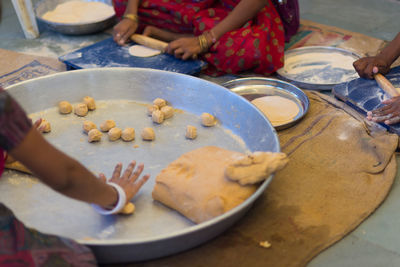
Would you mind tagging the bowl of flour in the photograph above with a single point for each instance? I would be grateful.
(75, 17)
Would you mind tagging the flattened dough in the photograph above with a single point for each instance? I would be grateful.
(143, 51)
(195, 184)
(279, 110)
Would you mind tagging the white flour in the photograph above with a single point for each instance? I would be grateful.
(79, 12)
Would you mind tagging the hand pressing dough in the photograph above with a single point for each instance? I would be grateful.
(81, 109)
(64, 107)
(279, 110)
(256, 167)
(151, 109)
(159, 102)
(88, 125)
(195, 184)
(89, 101)
(94, 135)
(208, 120)
(129, 208)
(168, 111)
(191, 132)
(128, 134)
(107, 125)
(148, 134)
(157, 116)
(45, 126)
(114, 134)
(143, 51)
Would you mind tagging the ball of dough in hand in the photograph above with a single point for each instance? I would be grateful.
(45, 126)
(107, 125)
(128, 134)
(159, 102)
(168, 111)
(157, 116)
(191, 132)
(81, 109)
(89, 101)
(94, 135)
(208, 120)
(148, 134)
(88, 125)
(151, 109)
(64, 107)
(114, 134)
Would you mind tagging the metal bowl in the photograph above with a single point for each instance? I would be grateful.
(255, 87)
(154, 230)
(44, 6)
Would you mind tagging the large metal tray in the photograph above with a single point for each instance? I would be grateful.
(318, 67)
(154, 230)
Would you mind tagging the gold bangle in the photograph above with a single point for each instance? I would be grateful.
(132, 17)
(203, 43)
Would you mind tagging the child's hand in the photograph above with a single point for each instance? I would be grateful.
(123, 30)
(389, 114)
(367, 67)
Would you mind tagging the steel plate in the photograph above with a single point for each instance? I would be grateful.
(318, 67)
(121, 93)
(72, 28)
(255, 87)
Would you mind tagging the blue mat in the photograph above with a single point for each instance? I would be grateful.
(108, 54)
(365, 95)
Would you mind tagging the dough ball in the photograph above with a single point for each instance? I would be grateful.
(88, 125)
(107, 125)
(157, 116)
(148, 134)
(191, 132)
(94, 135)
(45, 126)
(129, 208)
(81, 109)
(128, 134)
(89, 101)
(64, 107)
(114, 134)
(159, 102)
(208, 120)
(151, 109)
(168, 111)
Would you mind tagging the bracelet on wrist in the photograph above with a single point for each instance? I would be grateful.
(120, 203)
(132, 17)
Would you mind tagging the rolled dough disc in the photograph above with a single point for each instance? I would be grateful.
(143, 51)
(279, 110)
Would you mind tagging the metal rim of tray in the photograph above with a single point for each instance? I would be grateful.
(313, 86)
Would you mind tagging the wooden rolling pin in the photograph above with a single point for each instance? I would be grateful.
(386, 85)
(149, 42)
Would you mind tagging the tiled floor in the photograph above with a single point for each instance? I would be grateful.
(376, 242)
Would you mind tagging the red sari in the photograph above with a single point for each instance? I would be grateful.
(257, 46)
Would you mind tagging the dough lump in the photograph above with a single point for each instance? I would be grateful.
(128, 134)
(89, 101)
(157, 116)
(256, 167)
(107, 125)
(45, 126)
(195, 184)
(129, 208)
(64, 107)
(114, 134)
(148, 134)
(279, 110)
(88, 125)
(151, 109)
(208, 120)
(159, 102)
(94, 135)
(168, 111)
(191, 132)
(81, 109)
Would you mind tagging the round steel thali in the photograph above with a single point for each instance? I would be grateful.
(122, 94)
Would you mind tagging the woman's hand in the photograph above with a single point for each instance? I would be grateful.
(367, 67)
(185, 48)
(123, 30)
(129, 180)
(389, 114)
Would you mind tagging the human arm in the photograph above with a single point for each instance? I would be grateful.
(367, 67)
(128, 25)
(244, 11)
(388, 114)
